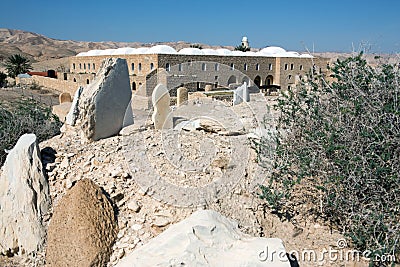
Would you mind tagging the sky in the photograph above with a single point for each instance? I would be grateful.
(320, 25)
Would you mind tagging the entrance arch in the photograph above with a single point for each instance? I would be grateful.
(232, 79)
(257, 80)
(269, 80)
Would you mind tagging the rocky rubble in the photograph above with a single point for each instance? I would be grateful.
(142, 216)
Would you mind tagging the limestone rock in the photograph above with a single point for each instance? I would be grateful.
(208, 88)
(241, 94)
(161, 101)
(24, 198)
(207, 238)
(105, 102)
(182, 96)
(61, 110)
(83, 228)
(73, 113)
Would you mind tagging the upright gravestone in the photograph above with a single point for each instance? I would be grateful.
(64, 97)
(241, 94)
(208, 88)
(161, 101)
(182, 96)
(24, 199)
(104, 103)
(73, 113)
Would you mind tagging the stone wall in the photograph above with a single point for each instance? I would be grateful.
(56, 84)
(283, 72)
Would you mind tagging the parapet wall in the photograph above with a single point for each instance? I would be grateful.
(56, 84)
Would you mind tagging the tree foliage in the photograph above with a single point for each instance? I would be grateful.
(242, 48)
(17, 64)
(337, 152)
(196, 46)
(25, 116)
(3, 78)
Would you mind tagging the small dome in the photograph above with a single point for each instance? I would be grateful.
(272, 50)
(209, 51)
(244, 39)
(224, 52)
(191, 51)
(161, 49)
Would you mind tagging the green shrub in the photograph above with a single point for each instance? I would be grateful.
(25, 116)
(337, 153)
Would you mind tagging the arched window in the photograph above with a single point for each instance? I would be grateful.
(80, 66)
(232, 66)
(74, 80)
(88, 66)
(289, 77)
(84, 66)
(216, 67)
(292, 66)
(133, 66)
(245, 66)
(133, 86)
(257, 66)
(87, 81)
(73, 65)
(140, 67)
(180, 67)
(301, 67)
(94, 66)
(151, 66)
(270, 66)
(204, 67)
(167, 67)
(286, 66)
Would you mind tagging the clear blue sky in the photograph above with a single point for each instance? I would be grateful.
(293, 25)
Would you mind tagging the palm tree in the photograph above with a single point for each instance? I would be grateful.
(17, 64)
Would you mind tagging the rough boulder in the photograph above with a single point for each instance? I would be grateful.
(83, 228)
(207, 238)
(24, 199)
(104, 105)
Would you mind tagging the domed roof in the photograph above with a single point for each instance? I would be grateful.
(208, 51)
(224, 52)
(191, 51)
(272, 50)
(161, 49)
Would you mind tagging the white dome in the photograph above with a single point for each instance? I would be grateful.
(161, 49)
(208, 51)
(272, 50)
(191, 51)
(224, 52)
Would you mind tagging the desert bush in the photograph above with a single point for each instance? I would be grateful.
(25, 116)
(35, 86)
(336, 152)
